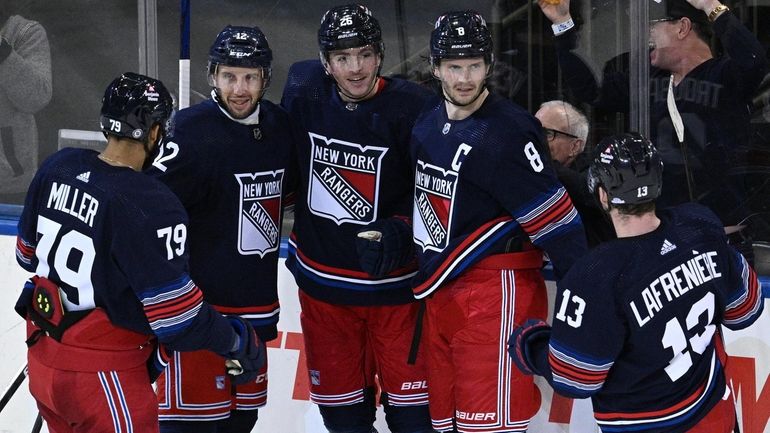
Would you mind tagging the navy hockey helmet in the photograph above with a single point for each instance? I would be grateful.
(628, 167)
(349, 26)
(243, 47)
(133, 104)
(458, 35)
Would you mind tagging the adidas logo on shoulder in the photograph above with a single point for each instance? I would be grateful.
(667, 247)
(83, 177)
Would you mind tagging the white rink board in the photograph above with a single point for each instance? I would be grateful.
(288, 410)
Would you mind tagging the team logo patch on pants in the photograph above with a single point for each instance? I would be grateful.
(344, 181)
(260, 212)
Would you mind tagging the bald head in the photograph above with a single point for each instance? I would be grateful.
(566, 130)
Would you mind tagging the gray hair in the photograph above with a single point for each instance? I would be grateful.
(577, 122)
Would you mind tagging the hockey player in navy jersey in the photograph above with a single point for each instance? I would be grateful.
(227, 160)
(108, 246)
(637, 321)
(486, 202)
(358, 314)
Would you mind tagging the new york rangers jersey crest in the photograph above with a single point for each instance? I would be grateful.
(259, 225)
(433, 197)
(344, 181)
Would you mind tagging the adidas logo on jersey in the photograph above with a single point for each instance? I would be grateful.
(667, 247)
(83, 177)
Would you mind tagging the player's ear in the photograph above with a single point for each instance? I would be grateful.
(604, 199)
(434, 70)
(154, 136)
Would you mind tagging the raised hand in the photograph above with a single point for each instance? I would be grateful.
(556, 10)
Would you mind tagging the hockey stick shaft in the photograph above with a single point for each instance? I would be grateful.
(20, 376)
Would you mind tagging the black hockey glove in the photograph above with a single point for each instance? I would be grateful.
(384, 246)
(157, 362)
(519, 342)
(250, 354)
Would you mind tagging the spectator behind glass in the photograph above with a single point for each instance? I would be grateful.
(710, 94)
(25, 88)
(566, 130)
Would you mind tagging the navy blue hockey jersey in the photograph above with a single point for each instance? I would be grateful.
(354, 168)
(480, 182)
(636, 323)
(115, 239)
(232, 178)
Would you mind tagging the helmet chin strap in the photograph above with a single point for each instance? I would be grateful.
(218, 99)
(353, 98)
(457, 104)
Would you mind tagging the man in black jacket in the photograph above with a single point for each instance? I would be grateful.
(699, 102)
(566, 130)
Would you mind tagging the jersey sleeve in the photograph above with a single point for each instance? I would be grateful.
(741, 292)
(151, 250)
(588, 333)
(304, 80)
(743, 297)
(26, 240)
(180, 166)
(520, 176)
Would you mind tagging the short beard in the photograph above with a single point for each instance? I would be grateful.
(452, 101)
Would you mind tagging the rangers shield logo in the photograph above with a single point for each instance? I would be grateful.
(259, 219)
(344, 181)
(433, 198)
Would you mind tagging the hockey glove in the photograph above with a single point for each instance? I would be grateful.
(157, 362)
(518, 343)
(251, 352)
(384, 246)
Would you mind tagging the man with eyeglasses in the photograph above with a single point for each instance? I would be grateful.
(699, 102)
(566, 130)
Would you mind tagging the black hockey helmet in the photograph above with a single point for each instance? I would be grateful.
(349, 26)
(133, 104)
(458, 35)
(243, 47)
(628, 167)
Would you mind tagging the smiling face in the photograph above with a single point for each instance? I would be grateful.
(355, 71)
(240, 89)
(462, 80)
